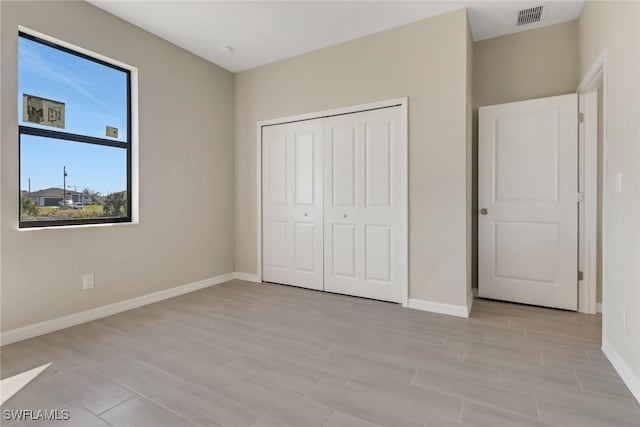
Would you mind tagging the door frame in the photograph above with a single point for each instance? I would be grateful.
(403, 103)
(594, 79)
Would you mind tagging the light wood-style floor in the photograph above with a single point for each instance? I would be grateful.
(243, 354)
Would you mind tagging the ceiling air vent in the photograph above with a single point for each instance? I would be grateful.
(529, 16)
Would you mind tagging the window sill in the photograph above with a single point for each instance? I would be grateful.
(67, 227)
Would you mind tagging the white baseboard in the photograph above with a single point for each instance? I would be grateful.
(440, 308)
(626, 373)
(598, 307)
(247, 277)
(52, 325)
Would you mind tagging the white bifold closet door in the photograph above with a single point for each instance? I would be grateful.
(363, 172)
(332, 194)
(292, 217)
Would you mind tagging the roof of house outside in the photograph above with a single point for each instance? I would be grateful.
(54, 192)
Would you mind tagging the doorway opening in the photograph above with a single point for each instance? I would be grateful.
(582, 257)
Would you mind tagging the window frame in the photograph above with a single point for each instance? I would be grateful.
(81, 139)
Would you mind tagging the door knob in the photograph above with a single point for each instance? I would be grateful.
(484, 211)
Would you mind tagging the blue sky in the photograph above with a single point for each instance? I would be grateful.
(94, 97)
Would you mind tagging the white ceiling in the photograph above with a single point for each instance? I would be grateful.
(266, 31)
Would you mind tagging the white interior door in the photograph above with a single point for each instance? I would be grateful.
(362, 187)
(527, 191)
(292, 214)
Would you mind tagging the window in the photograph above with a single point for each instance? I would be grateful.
(75, 136)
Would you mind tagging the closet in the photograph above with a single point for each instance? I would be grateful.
(333, 197)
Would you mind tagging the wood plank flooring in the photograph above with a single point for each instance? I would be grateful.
(262, 355)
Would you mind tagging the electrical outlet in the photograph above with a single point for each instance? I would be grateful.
(88, 281)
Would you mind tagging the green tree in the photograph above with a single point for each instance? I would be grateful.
(115, 204)
(28, 208)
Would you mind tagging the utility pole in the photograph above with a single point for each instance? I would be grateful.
(29, 187)
(64, 185)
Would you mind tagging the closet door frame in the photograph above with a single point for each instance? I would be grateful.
(403, 103)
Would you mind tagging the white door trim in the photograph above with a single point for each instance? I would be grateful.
(588, 210)
(403, 103)
(594, 78)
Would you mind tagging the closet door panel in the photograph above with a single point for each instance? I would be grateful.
(363, 177)
(292, 212)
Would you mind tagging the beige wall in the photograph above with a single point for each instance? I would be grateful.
(531, 64)
(614, 26)
(426, 61)
(527, 65)
(186, 176)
